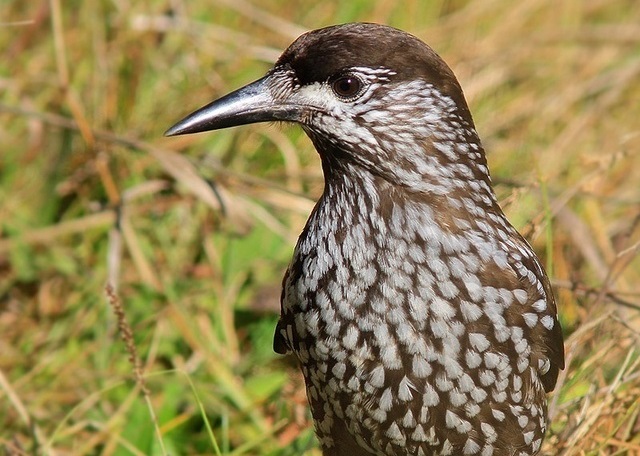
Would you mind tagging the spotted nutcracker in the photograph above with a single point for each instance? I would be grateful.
(424, 324)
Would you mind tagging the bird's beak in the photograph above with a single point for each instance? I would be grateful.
(250, 104)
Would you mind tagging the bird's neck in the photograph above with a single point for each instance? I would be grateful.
(432, 159)
(362, 207)
(424, 182)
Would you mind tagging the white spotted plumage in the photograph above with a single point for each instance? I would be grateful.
(423, 322)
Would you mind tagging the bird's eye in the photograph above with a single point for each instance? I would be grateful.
(347, 87)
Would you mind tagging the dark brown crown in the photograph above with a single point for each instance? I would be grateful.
(319, 54)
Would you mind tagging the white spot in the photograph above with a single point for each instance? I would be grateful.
(417, 254)
(528, 437)
(350, 339)
(544, 365)
(451, 419)
(456, 398)
(517, 333)
(404, 390)
(457, 267)
(388, 348)
(379, 415)
(393, 297)
(547, 322)
(447, 448)
(452, 368)
(420, 367)
(506, 295)
(338, 370)
(386, 400)
(376, 378)
(487, 377)
(523, 420)
(517, 382)
(418, 304)
(502, 384)
(395, 434)
(478, 395)
(408, 336)
(536, 445)
(442, 308)
(516, 397)
(474, 289)
(493, 309)
(409, 421)
(540, 305)
(500, 259)
(521, 346)
(487, 450)
(465, 383)
(312, 320)
(430, 397)
(491, 360)
(472, 409)
(499, 396)
(520, 295)
(439, 268)
(354, 383)
(501, 332)
(439, 328)
(522, 364)
(418, 434)
(443, 383)
(473, 359)
(489, 432)
(479, 341)
(470, 311)
(448, 289)
(471, 447)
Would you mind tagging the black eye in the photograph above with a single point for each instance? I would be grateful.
(347, 87)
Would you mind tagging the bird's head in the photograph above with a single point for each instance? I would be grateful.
(369, 96)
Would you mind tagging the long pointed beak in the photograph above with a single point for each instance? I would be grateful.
(250, 104)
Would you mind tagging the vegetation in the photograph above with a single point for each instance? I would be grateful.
(193, 234)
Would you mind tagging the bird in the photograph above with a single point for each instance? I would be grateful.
(422, 321)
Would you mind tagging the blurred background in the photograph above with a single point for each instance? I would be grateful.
(194, 233)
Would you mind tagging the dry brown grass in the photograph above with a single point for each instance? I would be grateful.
(195, 231)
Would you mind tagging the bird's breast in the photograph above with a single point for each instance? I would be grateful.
(392, 314)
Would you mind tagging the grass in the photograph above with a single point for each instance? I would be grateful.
(194, 233)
